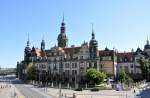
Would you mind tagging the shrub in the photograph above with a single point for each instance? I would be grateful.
(78, 89)
(95, 89)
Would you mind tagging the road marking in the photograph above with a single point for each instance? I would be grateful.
(21, 96)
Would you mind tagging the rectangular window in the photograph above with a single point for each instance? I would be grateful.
(132, 71)
(120, 59)
(126, 68)
(74, 72)
(131, 65)
(67, 72)
(105, 58)
(74, 65)
(67, 65)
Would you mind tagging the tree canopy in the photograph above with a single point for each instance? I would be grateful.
(30, 72)
(95, 76)
(145, 67)
(123, 77)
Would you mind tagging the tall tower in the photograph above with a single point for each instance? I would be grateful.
(27, 51)
(43, 44)
(93, 46)
(147, 42)
(62, 38)
(147, 46)
(147, 49)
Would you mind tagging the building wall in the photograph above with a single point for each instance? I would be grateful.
(126, 66)
(107, 66)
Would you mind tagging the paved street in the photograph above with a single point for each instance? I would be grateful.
(29, 91)
(89, 94)
(7, 90)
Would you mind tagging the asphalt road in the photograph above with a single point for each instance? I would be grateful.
(28, 93)
(27, 90)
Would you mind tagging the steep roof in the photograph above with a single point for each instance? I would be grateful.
(40, 53)
(106, 52)
(72, 50)
(126, 55)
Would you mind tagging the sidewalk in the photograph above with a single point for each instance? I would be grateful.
(89, 94)
(18, 93)
(8, 91)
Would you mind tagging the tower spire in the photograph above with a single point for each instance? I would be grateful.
(147, 42)
(63, 25)
(62, 37)
(43, 44)
(93, 35)
(28, 42)
(63, 21)
(43, 37)
(63, 18)
(93, 46)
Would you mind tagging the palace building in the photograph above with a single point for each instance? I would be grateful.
(69, 64)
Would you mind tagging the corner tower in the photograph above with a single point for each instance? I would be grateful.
(27, 51)
(43, 44)
(62, 38)
(93, 46)
(147, 49)
(147, 46)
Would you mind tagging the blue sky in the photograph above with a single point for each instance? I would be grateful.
(123, 24)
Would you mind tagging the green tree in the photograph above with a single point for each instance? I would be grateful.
(129, 81)
(94, 76)
(30, 72)
(145, 67)
(123, 77)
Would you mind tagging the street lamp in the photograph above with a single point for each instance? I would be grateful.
(76, 84)
(45, 80)
(39, 76)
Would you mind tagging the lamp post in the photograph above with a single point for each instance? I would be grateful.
(39, 76)
(46, 80)
(76, 85)
(52, 78)
(75, 81)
